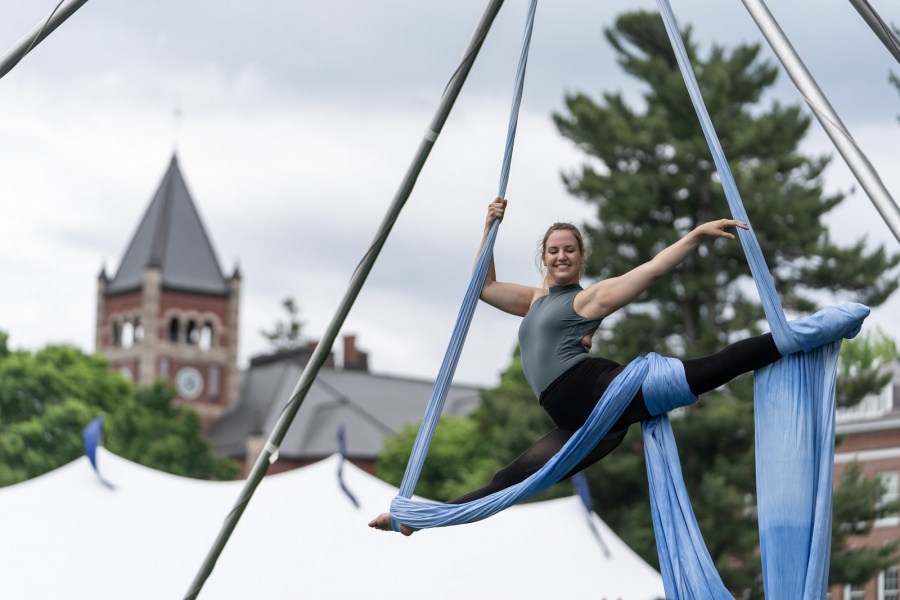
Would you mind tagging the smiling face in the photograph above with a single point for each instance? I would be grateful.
(563, 257)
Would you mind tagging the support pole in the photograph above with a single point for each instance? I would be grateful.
(863, 170)
(879, 26)
(320, 354)
(36, 35)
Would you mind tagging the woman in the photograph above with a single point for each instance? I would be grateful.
(558, 323)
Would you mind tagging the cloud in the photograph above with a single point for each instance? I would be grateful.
(299, 122)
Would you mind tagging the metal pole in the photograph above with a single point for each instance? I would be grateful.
(878, 25)
(320, 354)
(36, 35)
(840, 137)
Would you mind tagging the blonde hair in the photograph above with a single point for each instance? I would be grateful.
(583, 247)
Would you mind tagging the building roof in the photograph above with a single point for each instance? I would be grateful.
(171, 236)
(368, 407)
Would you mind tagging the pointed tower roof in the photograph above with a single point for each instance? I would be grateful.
(171, 237)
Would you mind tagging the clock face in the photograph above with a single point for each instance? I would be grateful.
(189, 383)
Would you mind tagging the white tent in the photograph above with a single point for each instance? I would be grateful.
(66, 536)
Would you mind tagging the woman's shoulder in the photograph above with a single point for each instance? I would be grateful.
(539, 293)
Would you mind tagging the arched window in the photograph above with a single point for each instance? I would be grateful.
(206, 336)
(193, 333)
(138, 331)
(116, 334)
(127, 334)
(174, 327)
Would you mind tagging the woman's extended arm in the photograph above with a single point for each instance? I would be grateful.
(606, 297)
(509, 297)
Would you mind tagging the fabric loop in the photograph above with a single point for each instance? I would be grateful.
(421, 515)
(666, 386)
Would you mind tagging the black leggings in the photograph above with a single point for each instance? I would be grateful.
(570, 399)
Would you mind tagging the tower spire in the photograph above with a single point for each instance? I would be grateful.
(177, 114)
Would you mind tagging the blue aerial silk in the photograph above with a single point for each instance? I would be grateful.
(794, 411)
(473, 292)
(612, 404)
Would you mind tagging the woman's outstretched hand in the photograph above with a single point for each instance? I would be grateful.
(383, 523)
(719, 228)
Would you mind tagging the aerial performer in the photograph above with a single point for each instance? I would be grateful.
(560, 318)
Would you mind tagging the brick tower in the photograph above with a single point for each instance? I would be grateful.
(169, 311)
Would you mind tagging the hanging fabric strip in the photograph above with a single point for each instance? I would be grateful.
(687, 569)
(794, 412)
(467, 310)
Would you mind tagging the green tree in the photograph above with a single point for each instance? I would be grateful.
(154, 431)
(652, 180)
(467, 451)
(457, 459)
(48, 397)
(510, 416)
(286, 335)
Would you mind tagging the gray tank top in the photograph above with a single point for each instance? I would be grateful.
(550, 337)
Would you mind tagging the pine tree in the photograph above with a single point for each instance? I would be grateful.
(652, 180)
(286, 335)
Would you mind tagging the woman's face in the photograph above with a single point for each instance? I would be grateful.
(562, 258)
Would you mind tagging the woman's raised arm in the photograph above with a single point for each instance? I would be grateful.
(606, 297)
(509, 297)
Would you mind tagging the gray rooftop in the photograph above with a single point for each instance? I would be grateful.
(367, 406)
(171, 236)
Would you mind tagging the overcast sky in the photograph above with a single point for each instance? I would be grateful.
(299, 120)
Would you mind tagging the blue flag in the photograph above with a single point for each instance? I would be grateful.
(580, 483)
(342, 448)
(93, 437)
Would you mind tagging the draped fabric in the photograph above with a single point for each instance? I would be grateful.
(794, 413)
(473, 292)
(794, 407)
(420, 515)
(686, 567)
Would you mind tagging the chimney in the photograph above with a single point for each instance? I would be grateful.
(354, 359)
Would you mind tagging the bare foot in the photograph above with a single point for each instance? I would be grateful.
(383, 523)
